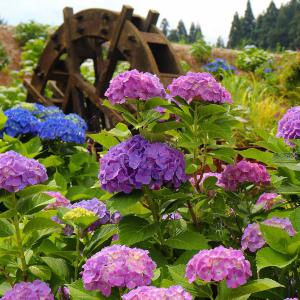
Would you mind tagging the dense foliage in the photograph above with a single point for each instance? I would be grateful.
(276, 28)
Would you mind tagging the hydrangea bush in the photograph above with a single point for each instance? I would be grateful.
(175, 211)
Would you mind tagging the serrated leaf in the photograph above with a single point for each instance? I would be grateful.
(267, 257)
(40, 224)
(58, 266)
(188, 240)
(40, 271)
(78, 292)
(133, 230)
(6, 229)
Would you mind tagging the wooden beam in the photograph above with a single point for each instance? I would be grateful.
(112, 59)
(34, 93)
(150, 20)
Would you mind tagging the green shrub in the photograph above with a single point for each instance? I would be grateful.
(251, 58)
(201, 50)
(32, 30)
(185, 65)
(4, 59)
(31, 53)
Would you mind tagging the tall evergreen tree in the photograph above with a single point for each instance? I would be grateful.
(181, 30)
(248, 24)
(173, 36)
(164, 26)
(220, 43)
(198, 33)
(192, 33)
(235, 34)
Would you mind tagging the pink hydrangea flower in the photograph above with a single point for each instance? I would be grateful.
(36, 290)
(154, 293)
(199, 86)
(60, 200)
(134, 85)
(118, 266)
(18, 172)
(269, 200)
(252, 237)
(219, 264)
(244, 172)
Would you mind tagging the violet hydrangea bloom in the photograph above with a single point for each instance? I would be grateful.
(172, 216)
(137, 162)
(244, 172)
(268, 200)
(118, 266)
(219, 264)
(60, 200)
(18, 172)
(252, 237)
(36, 290)
(199, 86)
(289, 125)
(155, 293)
(134, 85)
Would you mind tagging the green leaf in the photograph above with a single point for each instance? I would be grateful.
(188, 240)
(51, 161)
(6, 229)
(40, 271)
(262, 156)
(267, 257)
(40, 224)
(211, 109)
(133, 230)
(78, 292)
(126, 204)
(3, 119)
(100, 236)
(277, 238)
(154, 102)
(252, 287)
(30, 205)
(166, 126)
(104, 138)
(294, 246)
(295, 219)
(8, 214)
(178, 275)
(60, 180)
(58, 266)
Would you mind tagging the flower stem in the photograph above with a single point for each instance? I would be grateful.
(193, 215)
(77, 254)
(19, 240)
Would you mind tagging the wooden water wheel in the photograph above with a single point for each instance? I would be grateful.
(89, 35)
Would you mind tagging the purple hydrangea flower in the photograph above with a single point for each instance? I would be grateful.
(137, 162)
(199, 86)
(60, 200)
(134, 85)
(268, 200)
(172, 216)
(118, 266)
(291, 299)
(289, 125)
(252, 238)
(36, 290)
(64, 293)
(244, 172)
(17, 172)
(219, 264)
(155, 293)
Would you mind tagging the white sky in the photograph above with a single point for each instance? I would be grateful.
(214, 16)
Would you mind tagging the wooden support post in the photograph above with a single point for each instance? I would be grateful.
(72, 64)
(112, 59)
(151, 19)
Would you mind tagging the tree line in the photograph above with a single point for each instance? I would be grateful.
(276, 28)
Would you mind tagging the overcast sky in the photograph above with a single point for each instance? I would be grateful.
(214, 16)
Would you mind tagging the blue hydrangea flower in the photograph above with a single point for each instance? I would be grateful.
(60, 128)
(19, 121)
(77, 120)
(43, 112)
(218, 64)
